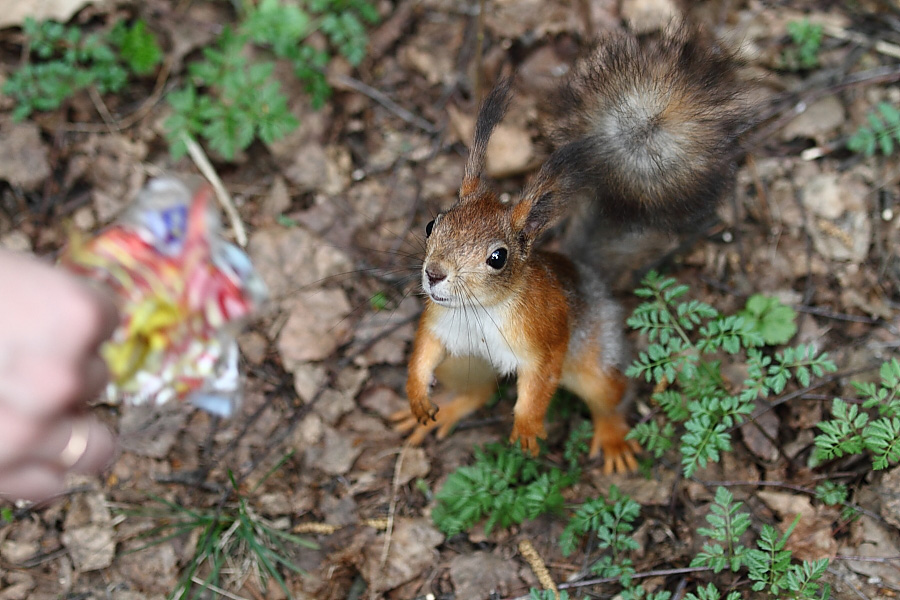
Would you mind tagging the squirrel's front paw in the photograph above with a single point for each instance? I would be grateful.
(527, 436)
(423, 409)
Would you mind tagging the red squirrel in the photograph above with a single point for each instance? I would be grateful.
(646, 132)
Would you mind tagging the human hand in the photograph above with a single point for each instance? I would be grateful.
(51, 326)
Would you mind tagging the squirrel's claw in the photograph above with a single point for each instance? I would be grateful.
(423, 410)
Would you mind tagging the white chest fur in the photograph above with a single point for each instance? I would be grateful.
(477, 331)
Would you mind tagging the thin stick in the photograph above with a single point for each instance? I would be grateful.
(389, 531)
(206, 168)
(880, 46)
(382, 99)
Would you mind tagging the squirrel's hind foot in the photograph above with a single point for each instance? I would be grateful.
(618, 452)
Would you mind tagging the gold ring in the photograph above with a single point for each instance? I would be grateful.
(77, 444)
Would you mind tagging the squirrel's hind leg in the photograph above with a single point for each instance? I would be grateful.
(602, 390)
(469, 381)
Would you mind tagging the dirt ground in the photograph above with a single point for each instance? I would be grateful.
(336, 213)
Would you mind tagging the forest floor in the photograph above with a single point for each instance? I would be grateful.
(336, 213)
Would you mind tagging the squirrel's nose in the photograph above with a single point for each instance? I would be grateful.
(435, 276)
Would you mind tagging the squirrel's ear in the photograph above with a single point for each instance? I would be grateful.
(534, 214)
(491, 113)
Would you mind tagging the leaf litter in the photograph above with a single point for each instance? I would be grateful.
(337, 210)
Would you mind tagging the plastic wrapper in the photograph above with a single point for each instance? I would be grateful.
(184, 293)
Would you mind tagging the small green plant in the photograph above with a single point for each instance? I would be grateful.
(770, 568)
(230, 100)
(504, 485)
(851, 430)
(882, 132)
(769, 564)
(831, 493)
(611, 520)
(687, 339)
(63, 61)
(803, 54)
(711, 592)
(728, 525)
(226, 535)
(774, 321)
(378, 301)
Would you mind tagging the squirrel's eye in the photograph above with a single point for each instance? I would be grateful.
(497, 258)
(429, 227)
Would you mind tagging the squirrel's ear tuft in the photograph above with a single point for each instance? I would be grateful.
(491, 113)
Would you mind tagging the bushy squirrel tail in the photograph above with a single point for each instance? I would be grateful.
(647, 129)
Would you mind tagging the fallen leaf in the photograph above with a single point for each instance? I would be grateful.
(335, 454)
(23, 156)
(315, 327)
(757, 441)
(871, 539)
(383, 400)
(14, 12)
(812, 537)
(415, 464)
(411, 552)
(889, 491)
(819, 121)
(151, 431)
(509, 151)
(289, 259)
(18, 586)
(483, 574)
(91, 547)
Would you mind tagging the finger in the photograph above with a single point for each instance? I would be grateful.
(106, 315)
(41, 386)
(99, 451)
(80, 444)
(32, 481)
(19, 433)
(95, 377)
(88, 316)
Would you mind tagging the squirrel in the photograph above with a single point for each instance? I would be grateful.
(646, 133)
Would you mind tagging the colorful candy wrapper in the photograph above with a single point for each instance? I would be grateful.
(184, 292)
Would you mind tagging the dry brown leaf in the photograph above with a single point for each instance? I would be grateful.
(757, 441)
(482, 575)
(14, 12)
(510, 150)
(289, 259)
(334, 454)
(411, 552)
(872, 539)
(889, 490)
(812, 537)
(316, 326)
(91, 547)
(23, 156)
